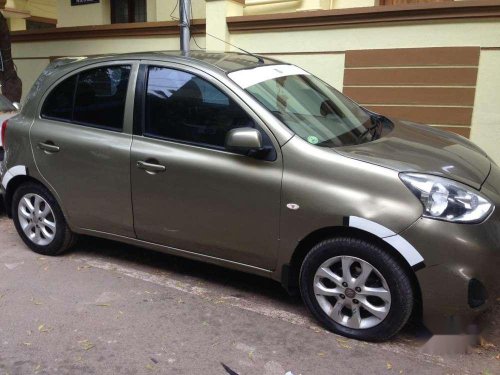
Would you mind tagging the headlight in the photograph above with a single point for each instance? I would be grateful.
(447, 200)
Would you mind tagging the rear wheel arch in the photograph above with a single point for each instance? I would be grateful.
(16, 182)
(290, 279)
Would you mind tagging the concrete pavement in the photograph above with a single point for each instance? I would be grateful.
(109, 308)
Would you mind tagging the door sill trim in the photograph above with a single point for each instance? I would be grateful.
(179, 252)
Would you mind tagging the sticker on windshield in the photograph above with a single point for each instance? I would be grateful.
(312, 139)
(249, 77)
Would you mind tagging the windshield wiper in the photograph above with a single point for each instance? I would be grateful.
(376, 127)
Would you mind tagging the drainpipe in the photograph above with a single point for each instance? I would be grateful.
(185, 17)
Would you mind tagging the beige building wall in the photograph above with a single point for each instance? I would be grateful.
(43, 8)
(486, 115)
(254, 7)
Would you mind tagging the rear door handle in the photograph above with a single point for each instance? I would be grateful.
(48, 146)
(152, 166)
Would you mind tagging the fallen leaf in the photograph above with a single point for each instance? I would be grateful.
(38, 367)
(103, 304)
(498, 356)
(321, 354)
(86, 344)
(389, 366)
(250, 355)
(345, 346)
(150, 367)
(41, 328)
(27, 343)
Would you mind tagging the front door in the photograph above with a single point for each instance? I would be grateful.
(82, 150)
(188, 192)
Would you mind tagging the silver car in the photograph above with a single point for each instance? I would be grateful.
(257, 165)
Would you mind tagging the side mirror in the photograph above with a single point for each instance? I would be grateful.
(244, 141)
(17, 105)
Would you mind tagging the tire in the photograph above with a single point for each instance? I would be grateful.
(54, 235)
(374, 310)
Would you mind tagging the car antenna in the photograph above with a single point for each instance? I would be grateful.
(185, 13)
(260, 59)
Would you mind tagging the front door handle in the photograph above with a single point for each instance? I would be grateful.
(48, 147)
(152, 166)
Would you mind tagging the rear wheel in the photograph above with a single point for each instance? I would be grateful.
(356, 289)
(39, 220)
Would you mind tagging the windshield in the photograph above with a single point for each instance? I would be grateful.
(316, 111)
(6, 105)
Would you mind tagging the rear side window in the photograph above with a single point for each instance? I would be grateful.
(94, 97)
(59, 103)
(184, 107)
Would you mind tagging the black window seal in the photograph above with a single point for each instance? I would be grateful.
(140, 100)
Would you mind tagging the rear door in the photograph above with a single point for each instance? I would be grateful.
(192, 194)
(81, 142)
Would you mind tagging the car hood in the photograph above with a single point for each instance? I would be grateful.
(412, 147)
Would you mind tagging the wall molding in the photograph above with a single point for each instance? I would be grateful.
(352, 16)
(138, 29)
(51, 21)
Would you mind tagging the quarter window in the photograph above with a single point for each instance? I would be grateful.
(94, 97)
(185, 107)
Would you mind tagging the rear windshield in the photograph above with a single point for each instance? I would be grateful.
(6, 105)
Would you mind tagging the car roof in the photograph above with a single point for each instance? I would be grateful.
(222, 61)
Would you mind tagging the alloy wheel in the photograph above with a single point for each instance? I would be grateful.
(37, 219)
(352, 292)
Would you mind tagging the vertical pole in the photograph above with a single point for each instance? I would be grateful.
(185, 17)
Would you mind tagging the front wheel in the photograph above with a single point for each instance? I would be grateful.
(356, 289)
(39, 220)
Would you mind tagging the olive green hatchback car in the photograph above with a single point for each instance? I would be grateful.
(257, 165)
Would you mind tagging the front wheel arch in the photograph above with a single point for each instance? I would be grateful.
(290, 278)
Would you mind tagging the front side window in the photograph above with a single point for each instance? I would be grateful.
(184, 107)
(94, 97)
(313, 110)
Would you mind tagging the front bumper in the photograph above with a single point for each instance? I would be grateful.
(461, 276)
